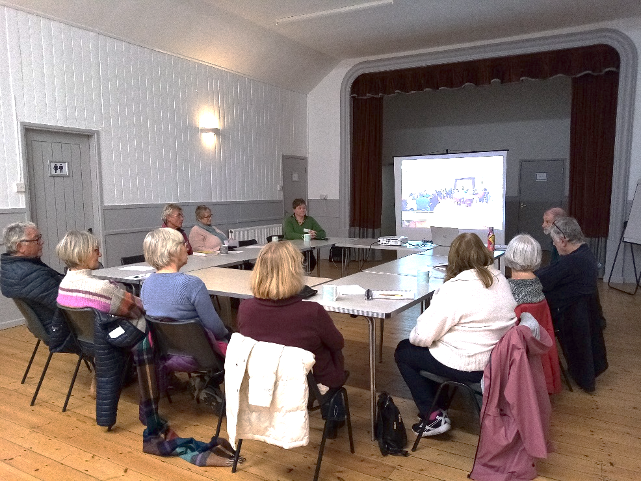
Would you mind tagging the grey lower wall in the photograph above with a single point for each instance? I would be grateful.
(326, 212)
(125, 227)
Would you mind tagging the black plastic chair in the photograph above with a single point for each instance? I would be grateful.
(138, 258)
(81, 324)
(330, 399)
(473, 389)
(269, 238)
(34, 325)
(187, 338)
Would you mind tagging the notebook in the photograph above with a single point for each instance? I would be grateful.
(443, 236)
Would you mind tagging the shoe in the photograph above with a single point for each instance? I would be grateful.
(212, 397)
(196, 385)
(440, 424)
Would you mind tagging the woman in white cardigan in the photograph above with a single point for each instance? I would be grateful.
(454, 337)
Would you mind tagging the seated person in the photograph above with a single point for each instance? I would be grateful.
(523, 256)
(23, 275)
(204, 236)
(277, 314)
(570, 287)
(454, 337)
(298, 224)
(80, 251)
(180, 296)
(173, 218)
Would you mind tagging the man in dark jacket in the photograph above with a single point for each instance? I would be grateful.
(23, 275)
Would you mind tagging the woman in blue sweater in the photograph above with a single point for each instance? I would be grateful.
(180, 296)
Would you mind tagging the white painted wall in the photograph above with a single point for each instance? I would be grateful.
(145, 106)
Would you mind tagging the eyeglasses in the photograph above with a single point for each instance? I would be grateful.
(209, 216)
(38, 239)
(560, 230)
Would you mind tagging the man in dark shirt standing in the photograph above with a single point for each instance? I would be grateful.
(23, 275)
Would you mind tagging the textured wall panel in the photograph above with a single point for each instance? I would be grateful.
(146, 107)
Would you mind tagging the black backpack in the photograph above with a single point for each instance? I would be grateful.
(389, 429)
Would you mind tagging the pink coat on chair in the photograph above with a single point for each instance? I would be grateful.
(550, 359)
(516, 412)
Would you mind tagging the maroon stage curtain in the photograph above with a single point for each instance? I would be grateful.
(585, 63)
(593, 114)
(365, 169)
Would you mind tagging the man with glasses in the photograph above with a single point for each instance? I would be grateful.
(23, 275)
(548, 219)
(173, 217)
(570, 287)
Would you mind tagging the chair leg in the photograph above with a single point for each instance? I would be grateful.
(33, 355)
(42, 377)
(322, 446)
(71, 385)
(348, 421)
(220, 419)
(563, 370)
(424, 422)
(87, 364)
(236, 455)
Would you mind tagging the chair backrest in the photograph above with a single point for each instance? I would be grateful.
(81, 323)
(269, 238)
(185, 338)
(139, 258)
(247, 242)
(34, 325)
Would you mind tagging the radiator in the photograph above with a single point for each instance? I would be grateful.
(260, 233)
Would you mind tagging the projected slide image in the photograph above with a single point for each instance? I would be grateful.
(461, 192)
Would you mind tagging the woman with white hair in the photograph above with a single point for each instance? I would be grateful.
(80, 251)
(204, 236)
(168, 293)
(523, 256)
(173, 218)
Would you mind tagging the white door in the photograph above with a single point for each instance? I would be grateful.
(295, 181)
(60, 186)
(541, 186)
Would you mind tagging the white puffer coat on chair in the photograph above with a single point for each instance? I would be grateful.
(273, 378)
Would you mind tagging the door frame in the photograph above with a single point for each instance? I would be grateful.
(94, 165)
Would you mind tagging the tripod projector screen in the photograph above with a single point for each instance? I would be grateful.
(464, 190)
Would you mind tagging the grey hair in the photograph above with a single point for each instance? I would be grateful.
(14, 233)
(167, 210)
(200, 211)
(76, 247)
(556, 212)
(569, 229)
(523, 253)
(161, 245)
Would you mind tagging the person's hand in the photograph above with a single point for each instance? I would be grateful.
(312, 233)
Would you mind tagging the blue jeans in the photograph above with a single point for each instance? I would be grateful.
(411, 359)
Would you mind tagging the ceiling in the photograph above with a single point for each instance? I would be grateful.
(313, 36)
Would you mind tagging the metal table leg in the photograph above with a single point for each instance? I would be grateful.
(373, 388)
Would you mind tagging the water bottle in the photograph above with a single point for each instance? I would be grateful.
(491, 239)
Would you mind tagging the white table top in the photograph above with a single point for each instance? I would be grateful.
(129, 273)
(365, 243)
(236, 282)
(358, 305)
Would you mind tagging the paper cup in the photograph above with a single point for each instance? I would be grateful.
(307, 240)
(223, 249)
(330, 293)
(423, 277)
(275, 239)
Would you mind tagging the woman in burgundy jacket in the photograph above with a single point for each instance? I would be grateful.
(278, 314)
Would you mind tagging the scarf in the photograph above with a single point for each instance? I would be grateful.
(212, 230)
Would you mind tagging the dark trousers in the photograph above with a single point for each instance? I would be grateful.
(411, 359)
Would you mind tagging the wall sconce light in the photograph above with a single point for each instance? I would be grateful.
(209, 130)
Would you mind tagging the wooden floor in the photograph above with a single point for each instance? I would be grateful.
(597, 436)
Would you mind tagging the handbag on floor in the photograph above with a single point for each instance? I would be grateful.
(389, 429)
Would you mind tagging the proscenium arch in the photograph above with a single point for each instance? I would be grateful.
(624, 119)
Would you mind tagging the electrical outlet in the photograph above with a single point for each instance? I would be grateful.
(323, 196)
(20, 187)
